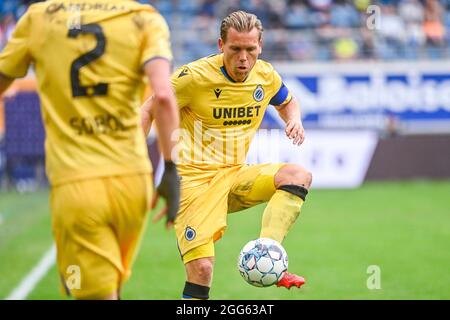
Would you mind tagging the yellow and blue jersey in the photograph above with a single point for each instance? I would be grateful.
(219, 116)
(88, 57)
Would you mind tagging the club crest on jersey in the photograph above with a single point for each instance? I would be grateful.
(258, 94)
(189, 233)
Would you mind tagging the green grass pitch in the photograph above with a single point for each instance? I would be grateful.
(401, 227)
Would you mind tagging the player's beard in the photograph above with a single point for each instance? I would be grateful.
(241, 74)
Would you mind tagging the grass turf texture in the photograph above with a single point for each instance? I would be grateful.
(401, 227)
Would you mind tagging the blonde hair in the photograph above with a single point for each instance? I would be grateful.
(241, 21)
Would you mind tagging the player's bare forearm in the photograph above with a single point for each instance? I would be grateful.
(146, 115)
(167, 122)
(5, 82)
(163, 109)
(164, 106)
(290, 113)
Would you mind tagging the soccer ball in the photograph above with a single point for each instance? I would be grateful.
(262, 262)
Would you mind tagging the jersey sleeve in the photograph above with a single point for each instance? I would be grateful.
(282, 94)
(15, 57)
(182, 81)
(156, 39)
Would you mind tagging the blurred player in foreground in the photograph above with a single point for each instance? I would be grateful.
(90, 58)
(222, 100)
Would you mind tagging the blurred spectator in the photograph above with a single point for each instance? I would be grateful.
(297, 16)
(300, 29)
(344, 15)
(208, 8)
(412, 13)
(7, 26)
(320, 14)
(345, 49)
(8, 6)
(321, 4)
(276, 12)
(227, 7)
(367, 46)
(447, 24)
(278, 49)
(258, 7)
(361, 5)
(392, 32)
(433, 26)
(300, 47)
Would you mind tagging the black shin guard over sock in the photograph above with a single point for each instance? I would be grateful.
(195, 291)
(295, 189)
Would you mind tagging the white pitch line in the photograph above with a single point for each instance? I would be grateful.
(32, 279)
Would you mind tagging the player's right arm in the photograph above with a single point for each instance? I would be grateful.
(147, 115)
(165, 114)
(156, 59)
(164, 106)
(15, 57)
(181, 84)
(289, 110)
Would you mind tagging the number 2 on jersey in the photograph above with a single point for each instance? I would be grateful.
(78, 90)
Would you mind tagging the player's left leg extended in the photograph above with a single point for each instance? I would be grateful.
(292, 183)
(285, 188)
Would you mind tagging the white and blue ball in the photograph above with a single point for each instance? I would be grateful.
(262, 262)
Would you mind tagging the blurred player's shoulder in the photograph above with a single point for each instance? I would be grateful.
(146, 11)
(38, 6)
(34, 10)
(203, 69)
(212, 61)
(264, 68)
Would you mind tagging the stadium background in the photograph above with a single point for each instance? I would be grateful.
(374, 85)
